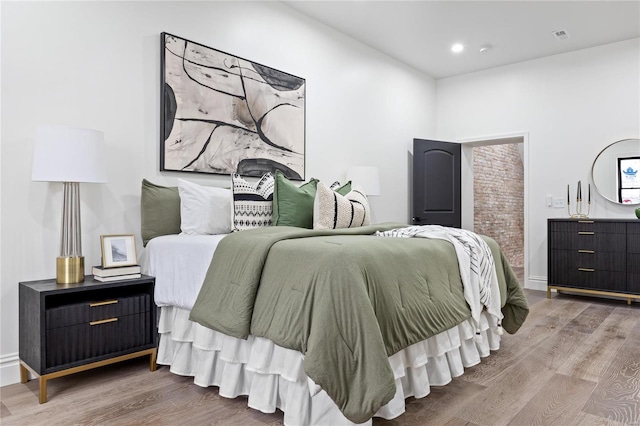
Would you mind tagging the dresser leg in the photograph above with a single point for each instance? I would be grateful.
(628, 301)
(24, 374)
(548, 293)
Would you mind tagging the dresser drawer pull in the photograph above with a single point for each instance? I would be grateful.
(106, 302)
(104, 321)
(587, 251)
(586, 233)
(586, 269)
(586, 221)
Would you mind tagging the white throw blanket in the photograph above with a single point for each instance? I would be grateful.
(477, 268)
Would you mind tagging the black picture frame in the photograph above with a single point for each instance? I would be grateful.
(222, 114)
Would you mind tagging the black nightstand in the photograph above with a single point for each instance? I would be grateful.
(68, 328)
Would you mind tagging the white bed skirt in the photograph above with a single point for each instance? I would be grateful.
(273, 377)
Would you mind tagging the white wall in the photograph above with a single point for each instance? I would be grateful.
(570, 105)
(96, 65)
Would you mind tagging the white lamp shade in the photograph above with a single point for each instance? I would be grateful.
(366, 177)
(69, 154)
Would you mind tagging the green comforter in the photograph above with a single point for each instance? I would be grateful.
(344, 298)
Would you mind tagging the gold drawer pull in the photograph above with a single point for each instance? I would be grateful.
(586, 233)
(104, 321)
(587, 251)
(106, 302)
(586, 221)
(586, 269)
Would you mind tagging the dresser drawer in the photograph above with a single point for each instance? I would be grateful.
(94, 339)
(594, 279)
(589, 240)
(573, 226)
(88, 311)
(588, 259)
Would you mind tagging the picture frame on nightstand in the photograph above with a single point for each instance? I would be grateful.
(118, 250)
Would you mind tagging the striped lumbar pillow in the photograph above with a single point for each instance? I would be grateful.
(332, 210)
(252, 204)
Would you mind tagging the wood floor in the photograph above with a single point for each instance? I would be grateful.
(576, 361)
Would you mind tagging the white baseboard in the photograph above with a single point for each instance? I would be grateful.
(536, 283)
(9, 369)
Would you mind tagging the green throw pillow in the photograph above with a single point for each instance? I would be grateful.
(342, 190)
(160, 211)
(292, 204)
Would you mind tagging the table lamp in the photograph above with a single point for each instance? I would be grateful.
(70, 155)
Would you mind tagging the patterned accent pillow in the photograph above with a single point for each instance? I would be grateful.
(252, 204)
(332, 210)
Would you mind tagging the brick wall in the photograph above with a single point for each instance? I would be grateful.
(498, 176)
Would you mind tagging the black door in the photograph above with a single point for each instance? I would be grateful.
(436, 183)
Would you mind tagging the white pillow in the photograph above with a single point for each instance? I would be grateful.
(204, 209)
(332, 210)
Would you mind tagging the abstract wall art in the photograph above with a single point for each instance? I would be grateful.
(222, 114)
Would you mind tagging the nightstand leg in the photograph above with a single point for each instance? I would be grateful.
(548, 293)
(629, 301)
(152, 360)
(24, 374)
(42, 381)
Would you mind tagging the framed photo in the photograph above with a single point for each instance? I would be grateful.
(118, 250)
(222, 114)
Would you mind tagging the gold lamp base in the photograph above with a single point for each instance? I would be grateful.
(69, 270)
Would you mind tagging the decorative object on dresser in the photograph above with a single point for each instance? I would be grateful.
(222, 114)
(118, 250)
(68, 329)
(594, 256)
(638, 212)
(69, 155)
(579, 214)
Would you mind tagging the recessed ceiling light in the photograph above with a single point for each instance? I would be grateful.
(457, 48)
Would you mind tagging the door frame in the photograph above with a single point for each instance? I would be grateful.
(467, 187)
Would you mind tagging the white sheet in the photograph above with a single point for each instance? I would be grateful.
(273, 377)
(179, 263)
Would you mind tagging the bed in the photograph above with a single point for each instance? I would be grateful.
(329, 326)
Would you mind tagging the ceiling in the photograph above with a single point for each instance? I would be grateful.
(421, 33)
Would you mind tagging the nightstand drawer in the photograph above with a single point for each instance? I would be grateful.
(83, 341)
(86, 312)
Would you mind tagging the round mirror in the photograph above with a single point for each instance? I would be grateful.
(615, 172)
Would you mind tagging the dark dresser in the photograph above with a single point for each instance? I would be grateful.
(595, 256)
(68, 328)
